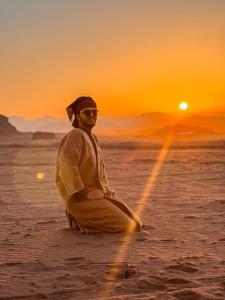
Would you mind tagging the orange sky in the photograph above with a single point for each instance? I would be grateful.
(131, 56)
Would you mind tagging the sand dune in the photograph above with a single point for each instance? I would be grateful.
(178, 255)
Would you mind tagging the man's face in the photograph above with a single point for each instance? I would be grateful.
(88, 117)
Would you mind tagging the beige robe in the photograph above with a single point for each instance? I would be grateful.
(79, 166)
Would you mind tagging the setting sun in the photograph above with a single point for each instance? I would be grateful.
(183, 106)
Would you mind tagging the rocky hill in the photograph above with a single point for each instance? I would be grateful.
(39, 135)
(5, 127)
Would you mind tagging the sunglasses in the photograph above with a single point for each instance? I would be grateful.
(88, 111)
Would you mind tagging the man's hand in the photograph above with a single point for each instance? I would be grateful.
(95, 194)
(78, 196)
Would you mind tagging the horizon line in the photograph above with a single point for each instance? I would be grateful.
(178, 113)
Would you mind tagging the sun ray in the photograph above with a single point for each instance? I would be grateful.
(122, 251)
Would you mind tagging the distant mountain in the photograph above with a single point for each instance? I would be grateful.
(6, 128)
(216, 123)
(183, 131)
(155, 120)
(115, 125)
(215, 113)
(106, 125)
(45, 123)
(143, 125)
(41, 135)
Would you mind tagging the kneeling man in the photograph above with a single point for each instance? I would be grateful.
(81, 178)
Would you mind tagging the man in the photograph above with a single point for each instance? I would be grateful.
(81, 179)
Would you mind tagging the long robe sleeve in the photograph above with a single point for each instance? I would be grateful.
(79, 165)
(68, 159)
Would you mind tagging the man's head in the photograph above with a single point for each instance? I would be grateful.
(83, 112)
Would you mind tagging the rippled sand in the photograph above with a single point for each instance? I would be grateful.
(178, 255)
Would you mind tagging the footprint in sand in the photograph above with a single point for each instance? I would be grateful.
(191, 217)
(74, 260)
(148, 285)
(33, 283)
(39, 266)
(222, 240)
(78, 258)
(188, 294)
(40, 296)
(15, 232)
(65, 277)
(148, 227)
(27, 235)
(16, 263)
(142, 239)
(177, 280)
(167, 240)
(142, 236)
(120, 271)
(183, 267)
(125, 271)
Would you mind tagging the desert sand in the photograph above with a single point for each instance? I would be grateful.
(180, 253)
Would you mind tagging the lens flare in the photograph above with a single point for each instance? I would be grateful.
(40, 175)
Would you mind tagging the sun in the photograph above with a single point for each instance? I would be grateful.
(183, 106)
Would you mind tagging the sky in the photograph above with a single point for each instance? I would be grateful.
(131, 56)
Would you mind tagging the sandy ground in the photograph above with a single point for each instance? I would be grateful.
(180, 254)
